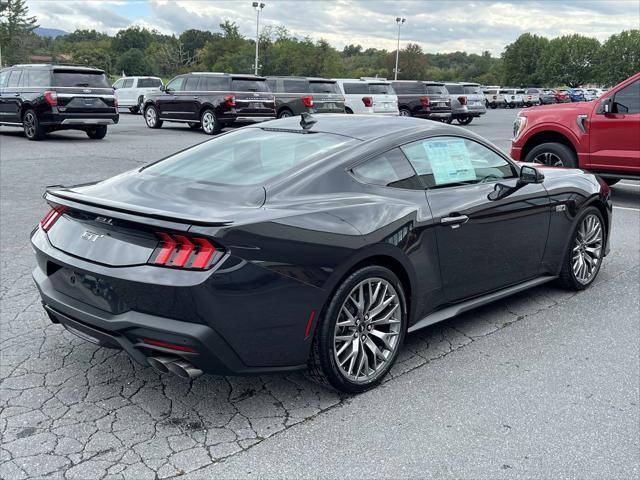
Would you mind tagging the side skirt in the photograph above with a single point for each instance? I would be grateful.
(457, 309)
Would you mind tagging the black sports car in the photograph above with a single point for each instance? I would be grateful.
(310, 243)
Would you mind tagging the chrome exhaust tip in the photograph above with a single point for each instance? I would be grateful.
(160, 364)
(184, 369)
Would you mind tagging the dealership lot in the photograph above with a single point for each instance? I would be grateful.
(545, 384)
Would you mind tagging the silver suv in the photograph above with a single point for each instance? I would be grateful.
(467, 102)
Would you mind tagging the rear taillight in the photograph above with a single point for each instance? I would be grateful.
(51, 98)
(368, 101)
(182, 251)
(307, 101)
(52, 217)
(462, 100)
(115, 103)
(424, 101)
(230, 100)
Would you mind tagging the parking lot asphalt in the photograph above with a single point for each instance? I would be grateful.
(542, 385)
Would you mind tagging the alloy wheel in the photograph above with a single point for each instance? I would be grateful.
(404, 113)
(367, 330)
(208, 122)
(587, 249)
(151, 117)
(549, 158)
(29, 125)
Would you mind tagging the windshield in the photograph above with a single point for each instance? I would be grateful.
(249, 156)
(77, 78)
(324, 87)
(242, 85)
(436, 90)
(381, 89)
(454, 89)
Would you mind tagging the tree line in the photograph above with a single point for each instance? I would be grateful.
(531, 60)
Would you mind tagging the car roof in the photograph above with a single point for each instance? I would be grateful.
(247, 76)
(365, 127)
(299, 77)
(54, 66)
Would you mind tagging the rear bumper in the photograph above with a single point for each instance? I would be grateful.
(438, 115)
(249, 119)
(78, 120)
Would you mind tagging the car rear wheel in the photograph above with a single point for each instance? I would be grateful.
(553, 154)
(97, 133)
(348, 110)
(405, 112)
(32, 128)
(361, 332)
(465, 120)
(210, 124)
(585, 252)
(151, 117)
(285, 113)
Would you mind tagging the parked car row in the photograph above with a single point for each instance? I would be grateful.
(497, 97)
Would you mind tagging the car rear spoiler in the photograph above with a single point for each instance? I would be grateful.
(100, 206)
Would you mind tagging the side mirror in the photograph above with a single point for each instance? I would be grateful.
(606, 106)
(529, 174)
(163, 88)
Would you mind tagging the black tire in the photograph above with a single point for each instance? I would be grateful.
(97, 133)
(493, 105)
(448, 120)
(194, 125)
(134, 110)
(31, 125)
(611, 181)
(465, 120)
(405, 112)
(348, 110)
(323, 367)
(210, 123)
(553, 151)
(285, 113)
(152, 117)
(567, 278)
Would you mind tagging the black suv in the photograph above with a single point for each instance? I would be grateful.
(211, 101)
(296, 95)
(43, 98)
(422, 99)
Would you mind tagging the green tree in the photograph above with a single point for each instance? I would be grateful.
(569, 60)
(132, 37)
(193, 40)
(93, 54)
(520, 60)
(411, 62)
(16, 29)
(619, 57)
(133, 62)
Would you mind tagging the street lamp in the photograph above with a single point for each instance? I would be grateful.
(399, 21)
(258, 7)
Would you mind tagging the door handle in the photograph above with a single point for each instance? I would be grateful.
(16, 94)
(454, 222)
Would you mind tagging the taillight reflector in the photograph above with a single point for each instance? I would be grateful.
(52, 217)
(368, 101)
(424, 101)
(181, 251)
(51, 98)
(307, 101)
(171, 346)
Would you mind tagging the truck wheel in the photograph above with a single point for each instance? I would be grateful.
(97, 133)
(465, 120)
(405, 112)
(210, 124)
(553, 154)
(285, 113)
(32, 128)
(348, 110)
(151, 117)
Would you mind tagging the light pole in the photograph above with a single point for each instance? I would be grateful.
(399, 21)
(258, 7)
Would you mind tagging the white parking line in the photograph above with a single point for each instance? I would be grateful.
(627, 208)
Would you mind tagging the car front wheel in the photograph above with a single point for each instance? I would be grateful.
(361, 332)
(31, 125)
(552, 154)
(97, 133)
(585, 251)
(151, 117)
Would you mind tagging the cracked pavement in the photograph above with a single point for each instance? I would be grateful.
(538, 385)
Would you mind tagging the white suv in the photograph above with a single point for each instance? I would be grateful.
(368, 95)
(130, 91)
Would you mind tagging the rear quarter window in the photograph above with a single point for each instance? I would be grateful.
(381, 89)
(249, 85)
(324, 87)
(454, 89)
(38, 78)
(214, 84)
(149, 82)
(295, 86)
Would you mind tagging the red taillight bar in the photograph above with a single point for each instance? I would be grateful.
(171, 346)
(230, 100)
(462, 100)
(424, 101)
(307, 101)
(51, 98)
(181, 251)
(52, 217)
(368, 101)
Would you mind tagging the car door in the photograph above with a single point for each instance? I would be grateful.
(126, 91)
(11, 98)
(188, 100)
(4, 108)
(485, 242)
(614, 138)
(168, 102)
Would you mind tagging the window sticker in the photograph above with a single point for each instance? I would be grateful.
(450, 161)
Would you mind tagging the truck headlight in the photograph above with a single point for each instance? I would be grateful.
(518, 126)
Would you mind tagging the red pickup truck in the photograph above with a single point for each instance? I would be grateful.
(602, 135)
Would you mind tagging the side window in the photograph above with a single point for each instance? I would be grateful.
(14, 78)
(118, 84)
(627, 100)
(191, 85)
(127, 83)
(213, 84)
(356, 88)
(295, 86)
(175, 84)
(38, 78)
(149, 82)
(390, 169)
(271, 83)
(4, 76)
(447, 161)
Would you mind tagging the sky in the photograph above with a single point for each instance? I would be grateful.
(437, 26)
